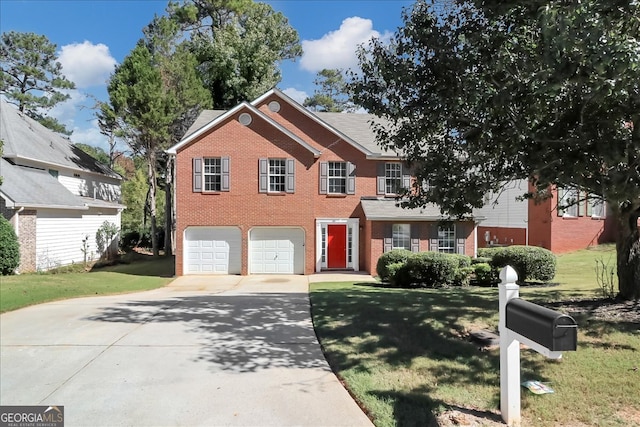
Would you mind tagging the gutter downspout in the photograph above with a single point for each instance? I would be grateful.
(15, 220)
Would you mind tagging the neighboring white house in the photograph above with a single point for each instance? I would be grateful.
(55, 195)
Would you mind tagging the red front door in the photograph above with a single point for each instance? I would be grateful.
(337, 246)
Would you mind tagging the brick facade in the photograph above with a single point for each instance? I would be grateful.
(243, 206)
(562, 234)
(26, 232)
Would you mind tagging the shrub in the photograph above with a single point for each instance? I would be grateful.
(430, 269)
(488, 252)
(485, 274)
(530, 262)
(392, 257)
(464, 261)
(9, 248)
(480, 260)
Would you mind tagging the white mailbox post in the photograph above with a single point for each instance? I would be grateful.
(551, 330)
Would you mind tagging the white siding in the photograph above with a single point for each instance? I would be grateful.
(508, 212)
(87, 185)
(59, 235)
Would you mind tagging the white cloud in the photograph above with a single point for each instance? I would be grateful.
(86, 64)
(337, 49)
(297, 95)
(90, 136)
(67, 111)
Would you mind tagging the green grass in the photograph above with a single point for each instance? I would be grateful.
(70, 282)
(406, 357)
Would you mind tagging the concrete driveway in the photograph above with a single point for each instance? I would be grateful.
(203, 351)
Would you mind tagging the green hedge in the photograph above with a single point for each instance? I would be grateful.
(9, 248)
(530, 262)
(429, 269)
(486, 275)
(388, 258)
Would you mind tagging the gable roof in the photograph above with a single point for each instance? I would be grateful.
(23, 186)
(354, 128)
(26, 139)
(30, 187)
(189, 137)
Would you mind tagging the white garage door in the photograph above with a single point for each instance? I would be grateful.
(212, 250)
(276, 250)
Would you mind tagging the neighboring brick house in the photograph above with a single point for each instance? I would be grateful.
(509, 220)
(270, 187)
(55, 195)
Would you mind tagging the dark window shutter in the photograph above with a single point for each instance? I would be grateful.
(382, 187)
(225, 182)
(197, 175)
(324, 177)
(415, 237)
(433, 245)
(388, 237)
(290, 182)
(263, 179)
(351, 178)
(460, 246)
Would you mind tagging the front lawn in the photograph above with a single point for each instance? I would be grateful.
(407, 358)
(138, 275)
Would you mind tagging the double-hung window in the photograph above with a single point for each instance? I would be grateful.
(447, 238)
(337, 177)
(392, 178)
(401, 236)
(596, 207)
(212, 173)
(569, 202)
(277, 175)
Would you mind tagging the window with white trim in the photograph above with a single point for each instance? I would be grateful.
(447, 238)
(277, 175)
(401, 236)
(212, 173)
(392, 178)
(596, 207)
(337, 178)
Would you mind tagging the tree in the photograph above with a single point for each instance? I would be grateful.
(32, 77)
(96, 152)
(138, 98)
(155, 95)
(484, 92)
(238, 45)
(333, 95)
(109, 127)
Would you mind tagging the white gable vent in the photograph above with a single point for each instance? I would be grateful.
(274, 106)
(245, 119)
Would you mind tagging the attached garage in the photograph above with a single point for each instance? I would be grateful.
(212, 250)
(276, 250)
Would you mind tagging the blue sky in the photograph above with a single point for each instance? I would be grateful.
(93, 36)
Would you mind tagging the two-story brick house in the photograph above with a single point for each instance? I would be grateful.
(583, 222)
(270, 187)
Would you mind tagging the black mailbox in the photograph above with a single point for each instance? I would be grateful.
(551, 329)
